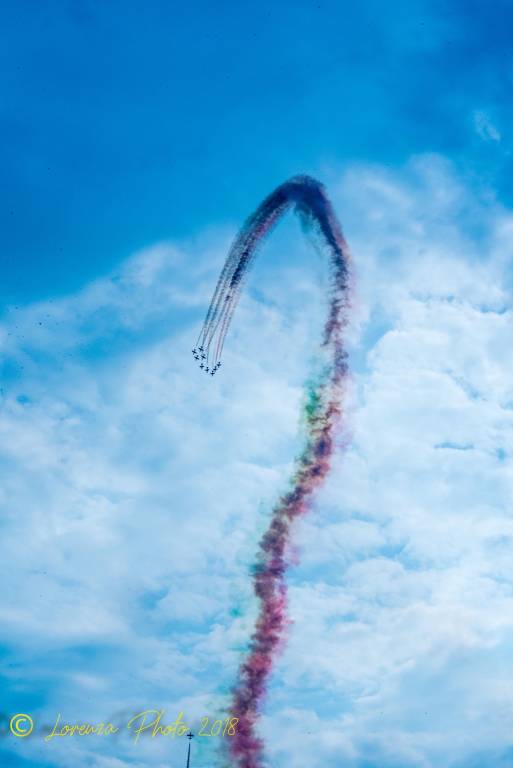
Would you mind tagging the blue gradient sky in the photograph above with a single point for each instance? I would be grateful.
(137, 137)
(125, 122)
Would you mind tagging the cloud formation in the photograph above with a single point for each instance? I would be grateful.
(135, 491)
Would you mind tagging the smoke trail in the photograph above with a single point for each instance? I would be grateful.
(323, 413)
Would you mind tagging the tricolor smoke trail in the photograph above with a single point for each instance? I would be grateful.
(323, 413)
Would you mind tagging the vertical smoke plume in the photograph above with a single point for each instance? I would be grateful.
(323, 413)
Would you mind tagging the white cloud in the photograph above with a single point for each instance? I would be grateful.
(135, 490)
(484, 127)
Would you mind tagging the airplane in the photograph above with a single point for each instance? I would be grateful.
(203, 357)
(212, 371)
(196, 357)
(202, 366)
(200, 349)
(207, 369)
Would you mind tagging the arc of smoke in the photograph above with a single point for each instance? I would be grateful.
(323, 414)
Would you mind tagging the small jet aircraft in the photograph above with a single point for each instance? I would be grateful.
(212, 371)
(203, 357)
(202, 366)
(207, 369)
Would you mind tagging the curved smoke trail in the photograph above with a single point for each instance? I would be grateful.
(323, 412)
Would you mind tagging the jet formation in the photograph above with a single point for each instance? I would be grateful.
(323, 414)
(199, 354)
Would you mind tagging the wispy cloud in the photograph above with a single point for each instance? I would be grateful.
(485, 128)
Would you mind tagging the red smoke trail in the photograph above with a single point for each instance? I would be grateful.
(323, 413)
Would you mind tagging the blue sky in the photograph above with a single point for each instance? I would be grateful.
(133, 494)
(126, 123)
